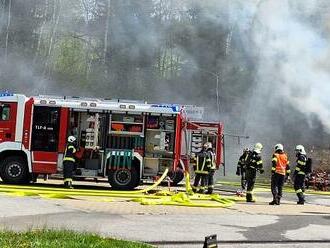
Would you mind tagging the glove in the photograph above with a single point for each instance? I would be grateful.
(261, 171)
(238, 173)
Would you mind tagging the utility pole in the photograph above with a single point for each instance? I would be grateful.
(7, 30)
(217, 88)
(216, 75)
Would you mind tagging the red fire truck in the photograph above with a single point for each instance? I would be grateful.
(125, 141)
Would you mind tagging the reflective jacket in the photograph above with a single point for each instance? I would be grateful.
(301, 164)
(280, 163)
(241, 164)
(70, 150)
(254, 162)
(213, 164)
(203, 162)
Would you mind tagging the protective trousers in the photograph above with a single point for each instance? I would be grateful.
(243, 179)
(299, 187)
(210, 181)
(250, 181)
(202, 179)
(277, 183)
(68, 168)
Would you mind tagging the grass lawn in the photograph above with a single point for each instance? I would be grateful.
(61, 239)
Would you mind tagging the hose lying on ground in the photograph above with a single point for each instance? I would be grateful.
(188, 198)
(102, 192)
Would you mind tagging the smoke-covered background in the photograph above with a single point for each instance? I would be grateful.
(270, 56)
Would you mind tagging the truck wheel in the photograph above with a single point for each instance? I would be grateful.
(123, 179)
(176, 176)
(14, 170)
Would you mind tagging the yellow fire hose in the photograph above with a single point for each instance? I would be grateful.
(88, 191)
(188, 198)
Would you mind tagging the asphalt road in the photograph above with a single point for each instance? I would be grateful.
(243, 225)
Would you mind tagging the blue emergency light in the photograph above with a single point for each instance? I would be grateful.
(174, 107)
(5, 93)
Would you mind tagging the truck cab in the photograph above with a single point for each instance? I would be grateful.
(13, 155)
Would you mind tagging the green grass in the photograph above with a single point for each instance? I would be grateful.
(61, 239)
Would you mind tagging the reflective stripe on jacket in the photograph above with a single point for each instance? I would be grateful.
(301, 164)
(203, 162)
(70, 150)
(241, 164)
(213, 164)
(280, 163)
(255, 162)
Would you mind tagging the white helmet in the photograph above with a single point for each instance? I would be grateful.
(300, 149)
(278, 147)
(246, 149)
(258, 147)
(208, 145)
(71, 139)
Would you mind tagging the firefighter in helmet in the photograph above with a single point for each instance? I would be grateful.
(211, 167)
(241, 167)
(253, 164)
(300, 173)
(69, 161)
(202, 164)
(280, 170)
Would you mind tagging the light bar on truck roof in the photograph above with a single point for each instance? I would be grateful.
(5, 93)
(173, 107)
(109, 105)
(52, 96)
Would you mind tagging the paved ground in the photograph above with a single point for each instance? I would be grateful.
(243, 225)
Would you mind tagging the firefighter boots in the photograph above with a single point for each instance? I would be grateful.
(68, 185)
(201, 191)
(276, 201)
(209, 190)
(249, 198)
(301, 199)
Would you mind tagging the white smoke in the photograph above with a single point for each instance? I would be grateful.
(292, 58)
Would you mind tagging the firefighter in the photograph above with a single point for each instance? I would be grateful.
(280, 170)
(201, 166)
(69, 162)
(241, 167)
(300, 173)
(253, 164)
(211, 168)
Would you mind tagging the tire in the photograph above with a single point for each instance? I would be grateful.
(14, 170)
(176, 176)
(123, 179)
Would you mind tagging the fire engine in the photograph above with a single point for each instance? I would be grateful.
(124, 141)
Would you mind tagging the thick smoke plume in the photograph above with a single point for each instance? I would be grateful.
(293, 63)
(287, 42)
